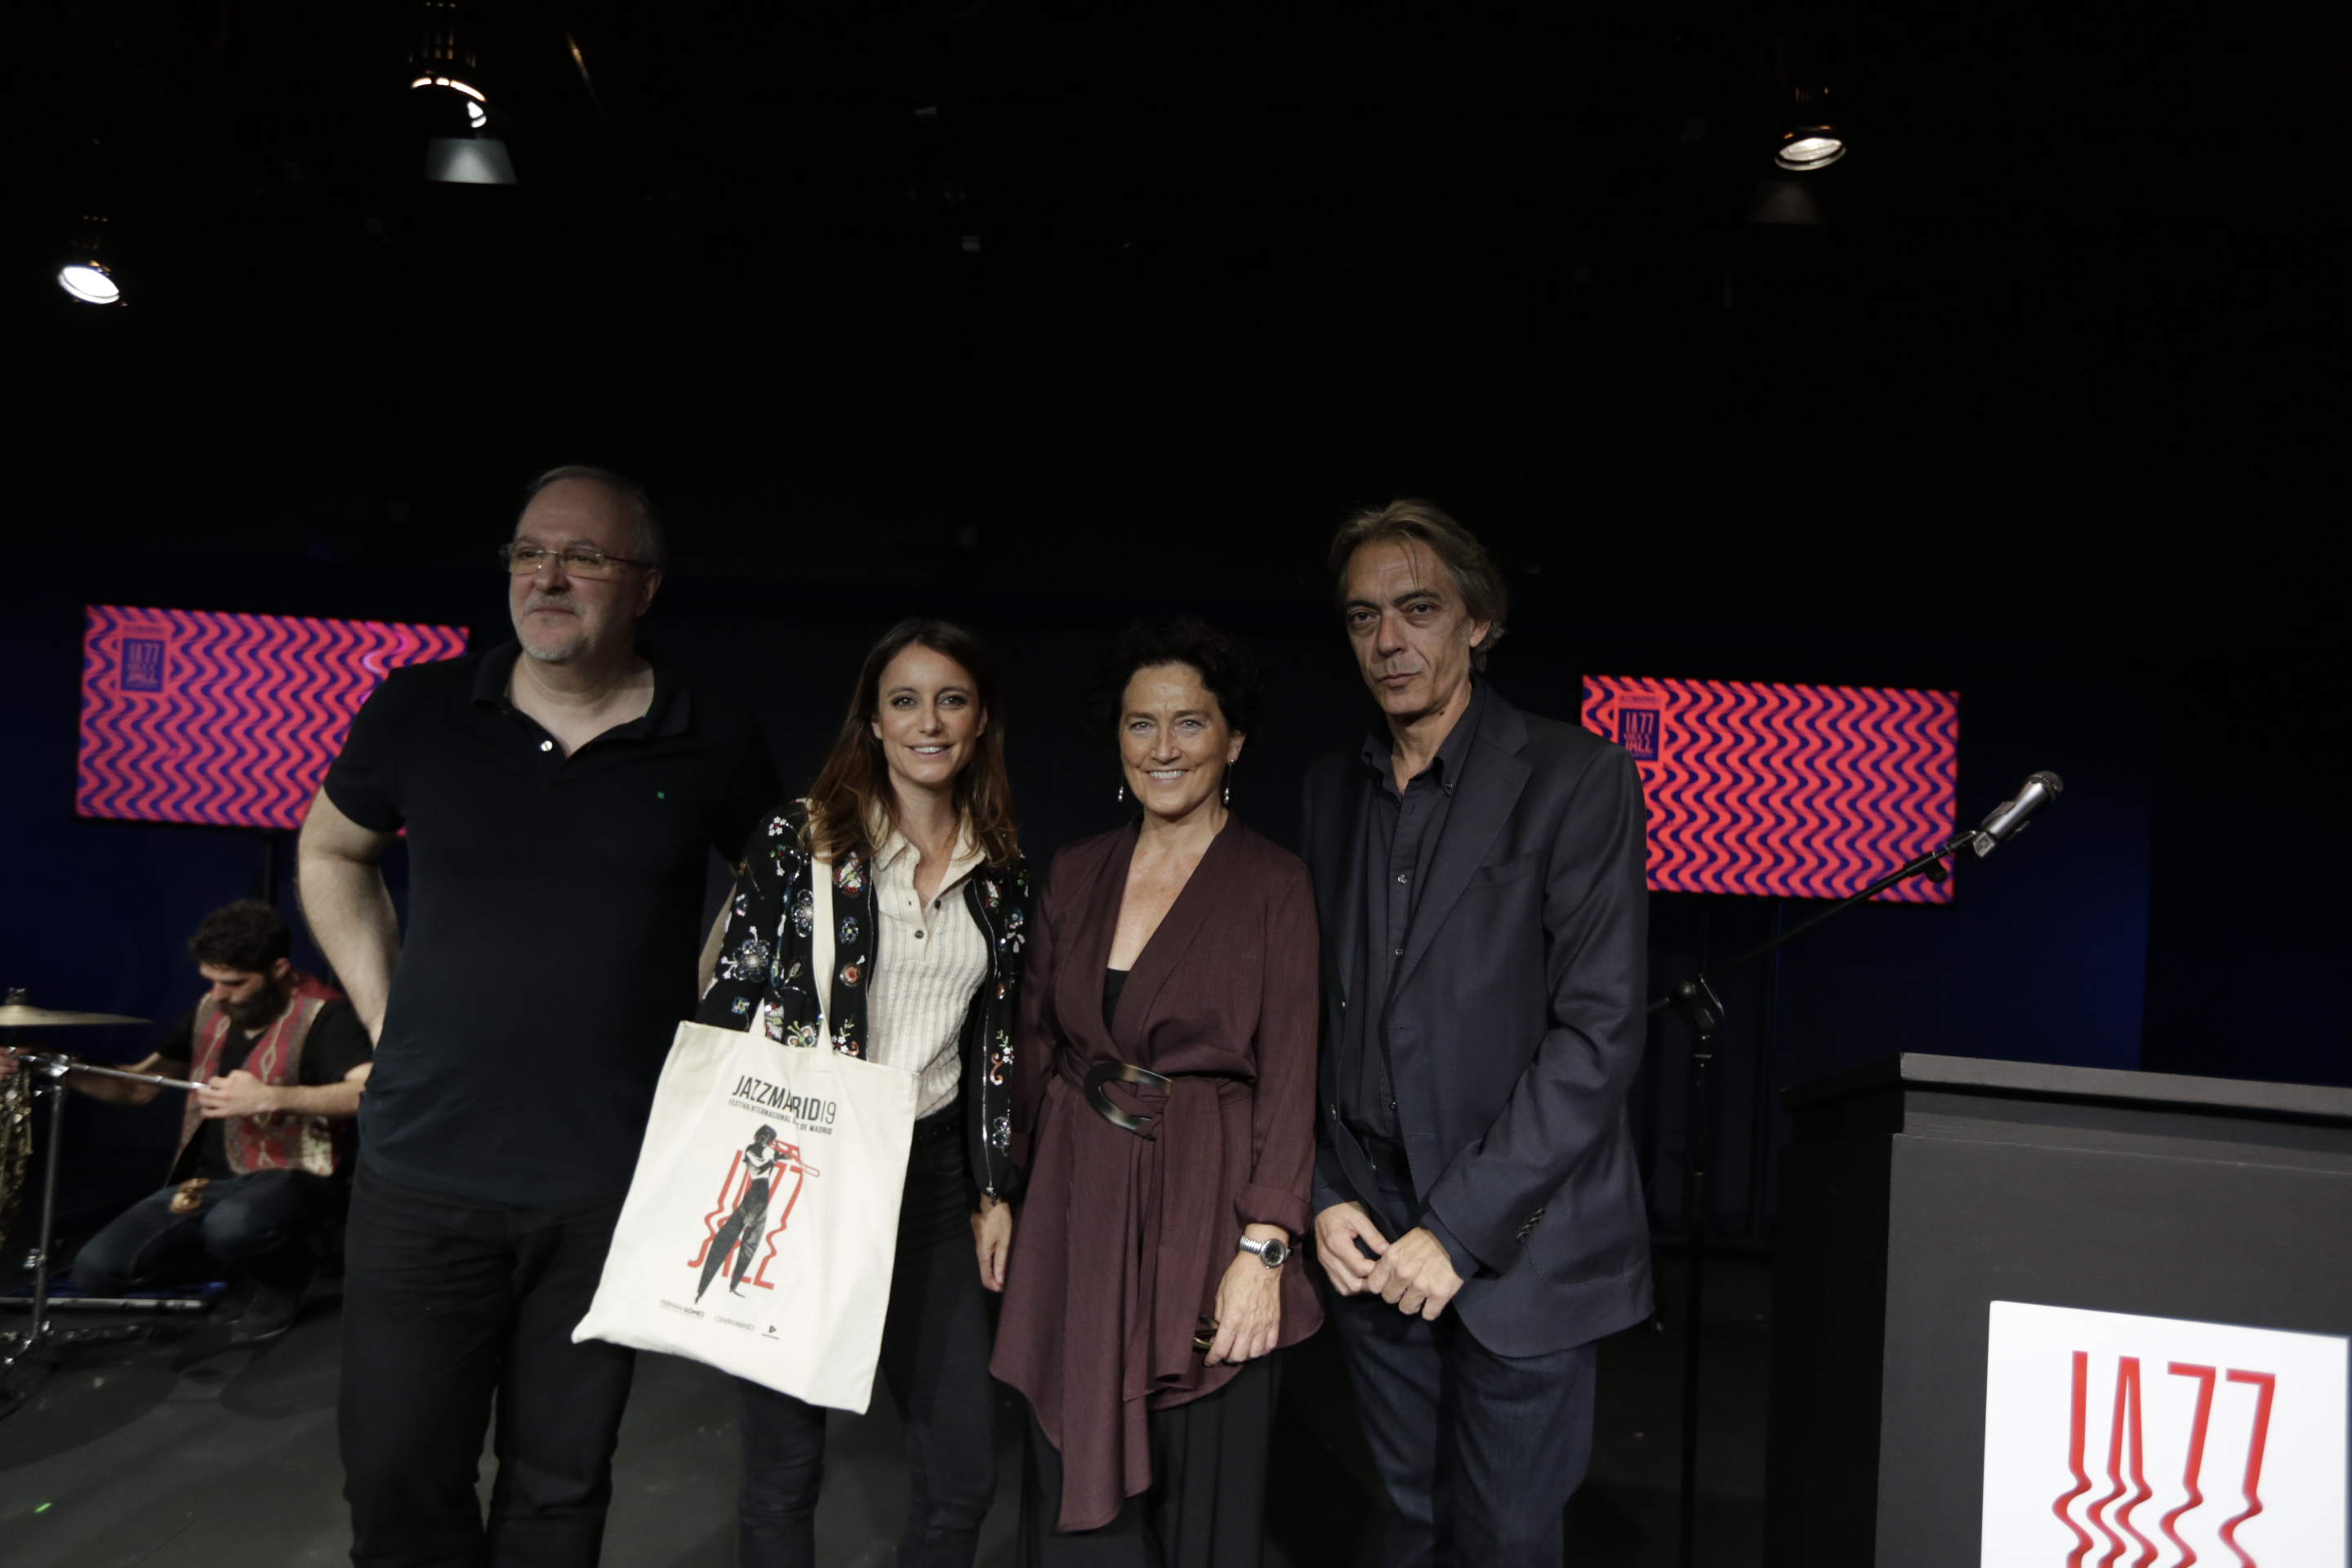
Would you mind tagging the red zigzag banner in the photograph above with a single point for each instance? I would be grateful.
(193, 716)
(1799, 792)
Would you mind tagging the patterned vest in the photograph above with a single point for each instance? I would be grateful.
(281, 1140)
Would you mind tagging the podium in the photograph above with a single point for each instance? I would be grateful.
(1920, 1191)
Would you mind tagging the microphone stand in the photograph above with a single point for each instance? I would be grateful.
(1696, 1000)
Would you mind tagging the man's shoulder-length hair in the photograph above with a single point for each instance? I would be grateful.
(1476, 577)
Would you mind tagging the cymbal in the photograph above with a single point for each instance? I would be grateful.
(24, 1016)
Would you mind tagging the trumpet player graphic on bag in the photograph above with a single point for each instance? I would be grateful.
(758, 1165)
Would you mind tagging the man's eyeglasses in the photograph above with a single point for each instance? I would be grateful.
(529, 559)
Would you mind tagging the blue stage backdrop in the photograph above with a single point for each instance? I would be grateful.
(2042, 956)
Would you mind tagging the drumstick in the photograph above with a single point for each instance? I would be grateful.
(73, 1065)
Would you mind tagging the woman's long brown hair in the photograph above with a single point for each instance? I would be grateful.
(852, 788)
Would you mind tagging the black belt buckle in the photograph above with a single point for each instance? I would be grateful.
(1102, 1073)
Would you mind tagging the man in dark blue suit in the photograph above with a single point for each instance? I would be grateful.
(1478, 872)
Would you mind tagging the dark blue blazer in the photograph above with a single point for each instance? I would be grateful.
(1516, 1024)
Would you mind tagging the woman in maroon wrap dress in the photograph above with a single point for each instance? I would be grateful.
(1164, 1107)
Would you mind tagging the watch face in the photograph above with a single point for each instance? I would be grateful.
(1275, 1253)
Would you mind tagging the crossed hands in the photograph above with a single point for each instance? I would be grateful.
(239, 1094)
(1413, 1273)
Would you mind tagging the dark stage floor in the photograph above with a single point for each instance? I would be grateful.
(181, 1449)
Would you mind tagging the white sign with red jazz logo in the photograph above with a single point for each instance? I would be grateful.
(2115, 1441)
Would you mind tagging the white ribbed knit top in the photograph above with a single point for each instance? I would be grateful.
(928, 962)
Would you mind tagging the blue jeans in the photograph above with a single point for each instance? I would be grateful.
(270, 1225)
(1480, 1452)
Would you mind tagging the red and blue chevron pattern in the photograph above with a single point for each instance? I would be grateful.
(1797, 792)
(194, 716)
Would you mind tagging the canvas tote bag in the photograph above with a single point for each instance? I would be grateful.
(760, 1229)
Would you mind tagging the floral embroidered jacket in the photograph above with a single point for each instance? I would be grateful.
(766, 955)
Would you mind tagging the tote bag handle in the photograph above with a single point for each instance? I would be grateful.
(820, 948)
(820, 944)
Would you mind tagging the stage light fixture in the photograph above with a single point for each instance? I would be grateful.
(84, 276)
(469, 161)
(1810, 140)
(91, 283)
(477, 110)
(1809, 147)
(445, 70)
(478, 160)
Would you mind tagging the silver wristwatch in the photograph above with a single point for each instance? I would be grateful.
(1273, 1254)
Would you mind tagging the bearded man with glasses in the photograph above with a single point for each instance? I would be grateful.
(562, 795)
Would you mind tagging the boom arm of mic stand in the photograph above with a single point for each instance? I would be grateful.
(1696, 997)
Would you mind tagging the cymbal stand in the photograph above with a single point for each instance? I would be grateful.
(34, 1352)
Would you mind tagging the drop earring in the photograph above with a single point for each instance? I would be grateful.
(1122, 791)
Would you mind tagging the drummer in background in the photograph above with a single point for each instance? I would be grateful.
(258, 1181)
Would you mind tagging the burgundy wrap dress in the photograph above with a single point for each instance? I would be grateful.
(1122, 1239)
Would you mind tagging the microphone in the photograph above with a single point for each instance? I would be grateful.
(2009, 817)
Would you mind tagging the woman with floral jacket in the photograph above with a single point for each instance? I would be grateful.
(911, 818)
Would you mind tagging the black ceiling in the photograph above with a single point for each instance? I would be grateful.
(1132, 303)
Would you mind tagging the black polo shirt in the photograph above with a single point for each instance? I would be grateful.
(553, 904)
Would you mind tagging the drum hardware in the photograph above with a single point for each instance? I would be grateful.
(74, 1064)
(153, 1305)
(32, 1352)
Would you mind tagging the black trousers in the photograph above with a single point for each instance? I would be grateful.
(1480, 1452)
(1206, 1507)
(448, 1303)
(935, 1344)
(271, 1225)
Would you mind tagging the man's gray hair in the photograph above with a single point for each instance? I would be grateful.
(652, 546)
(1485, 594)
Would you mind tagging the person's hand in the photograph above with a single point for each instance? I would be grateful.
(1249, 1304)
(1415, 1275)
(992, 1238)
(239, 1094)
(1336, 1230)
